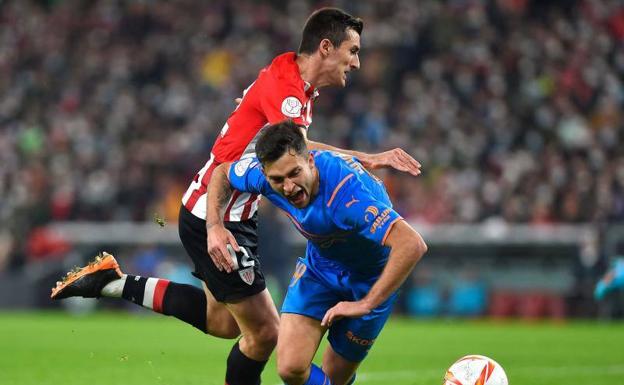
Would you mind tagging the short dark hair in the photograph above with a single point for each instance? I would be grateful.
(279, 138)
(327, 23)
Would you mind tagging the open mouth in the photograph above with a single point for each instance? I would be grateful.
(297, 198)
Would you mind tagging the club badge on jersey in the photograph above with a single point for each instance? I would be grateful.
(243, 263)
(247, 275)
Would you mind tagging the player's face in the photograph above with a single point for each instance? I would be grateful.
(344, 59)
(294, 177)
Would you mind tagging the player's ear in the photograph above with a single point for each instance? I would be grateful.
(325, 47)
(310, 160)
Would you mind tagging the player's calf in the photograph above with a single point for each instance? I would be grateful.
(242, 370)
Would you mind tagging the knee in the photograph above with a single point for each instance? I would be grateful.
(291, 372)
(265, 338)
(269, 334)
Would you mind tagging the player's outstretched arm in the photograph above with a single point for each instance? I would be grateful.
(396, 158)
(217, 197)
(407, 247)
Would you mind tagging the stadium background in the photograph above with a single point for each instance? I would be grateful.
(514, 108)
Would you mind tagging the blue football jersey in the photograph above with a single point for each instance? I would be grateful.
(346, 223)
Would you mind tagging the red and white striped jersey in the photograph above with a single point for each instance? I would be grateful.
(278, 93)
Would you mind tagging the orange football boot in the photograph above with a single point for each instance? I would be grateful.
(88, 281)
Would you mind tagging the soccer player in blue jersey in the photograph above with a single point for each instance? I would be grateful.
(612, 280)
(359, 250)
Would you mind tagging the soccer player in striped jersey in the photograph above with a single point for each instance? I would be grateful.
(236, 302)
(359, 250)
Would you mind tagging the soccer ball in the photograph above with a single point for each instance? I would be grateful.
(475, 370)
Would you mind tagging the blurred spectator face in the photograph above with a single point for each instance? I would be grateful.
(341, 60)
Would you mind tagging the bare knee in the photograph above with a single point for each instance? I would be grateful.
(292, 372)
(261, 341)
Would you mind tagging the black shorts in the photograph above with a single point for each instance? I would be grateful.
(225, 287)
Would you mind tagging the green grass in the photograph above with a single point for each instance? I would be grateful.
(111, 348)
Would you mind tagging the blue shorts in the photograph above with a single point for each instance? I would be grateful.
(313, 291)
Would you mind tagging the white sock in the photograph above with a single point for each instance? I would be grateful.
(114, 288)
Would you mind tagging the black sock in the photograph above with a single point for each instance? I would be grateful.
(134, 289)
(242, 370)
(185, 302)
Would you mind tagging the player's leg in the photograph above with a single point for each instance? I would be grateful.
(306, 301)
(237, 301)
(103, 278)
(350, 339)
(219, 320)
(299, 338)
(258, 321)
(197, 307)
(340, 370)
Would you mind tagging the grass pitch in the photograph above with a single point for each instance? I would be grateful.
(112, 348)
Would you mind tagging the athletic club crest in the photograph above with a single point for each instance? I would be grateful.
(247, 275)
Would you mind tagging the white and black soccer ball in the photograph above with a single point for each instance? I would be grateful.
(475, 370)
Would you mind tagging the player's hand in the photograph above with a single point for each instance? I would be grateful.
(396, 158)
(216, 241)
(345, 309)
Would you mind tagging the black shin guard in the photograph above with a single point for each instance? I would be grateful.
(242, 370)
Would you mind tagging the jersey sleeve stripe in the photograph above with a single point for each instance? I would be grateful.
(383, 240)
(342, 182)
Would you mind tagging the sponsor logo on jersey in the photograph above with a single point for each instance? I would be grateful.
(291, 107)
(370, 213)
(247, 275)
(358, 340)
(242, 166)
(380, 221)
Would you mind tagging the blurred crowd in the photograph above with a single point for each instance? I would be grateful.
(109, 108)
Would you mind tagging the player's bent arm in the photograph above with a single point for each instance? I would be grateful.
(406, 249)
(218, 195)
(395, 158)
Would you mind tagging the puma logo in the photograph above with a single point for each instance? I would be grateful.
(352, 201)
